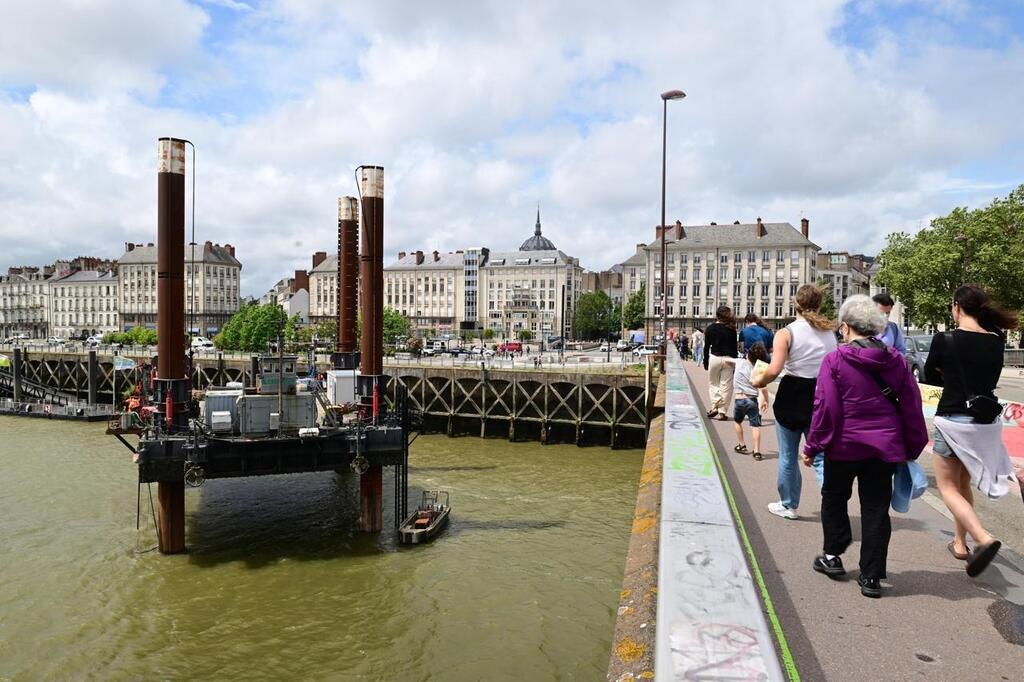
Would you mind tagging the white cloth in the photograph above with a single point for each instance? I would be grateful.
(807, 348)
(980, 448)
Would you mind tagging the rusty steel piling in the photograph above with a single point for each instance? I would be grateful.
(346, 356)
(171, 384)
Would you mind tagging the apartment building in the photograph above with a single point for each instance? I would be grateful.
(429, 289)
(84, 303)
(24, 301)
(846, 274)
(212, 277)
(751, 267)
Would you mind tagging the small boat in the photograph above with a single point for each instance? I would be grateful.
(428, 520)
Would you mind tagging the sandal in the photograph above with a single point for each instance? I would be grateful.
(981, 557)
(742, 449)
(758, 456)
(712, 413)
(962, 557)
(721, 417)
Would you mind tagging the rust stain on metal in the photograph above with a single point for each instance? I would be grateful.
(170, 156)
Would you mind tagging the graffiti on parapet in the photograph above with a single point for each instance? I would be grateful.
(716, 651)
(712, 576)
(688, 449)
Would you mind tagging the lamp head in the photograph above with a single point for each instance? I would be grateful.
(673, 94)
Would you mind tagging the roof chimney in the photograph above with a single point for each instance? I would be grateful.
(230, 249)
(419, 258)
(149, 244)
(761, 231)
(318, 258)
(735, 222)
(640, 248)
(128, 246)
(805, 227)
(401, 255)
(300, 281)
(658, 229)
(437, 257)
(713, 222)
(680, 233)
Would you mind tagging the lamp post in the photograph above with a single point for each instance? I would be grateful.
(665, 97)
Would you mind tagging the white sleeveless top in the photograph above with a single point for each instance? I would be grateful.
(807, 348)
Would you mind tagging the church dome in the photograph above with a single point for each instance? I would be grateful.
(537, 242)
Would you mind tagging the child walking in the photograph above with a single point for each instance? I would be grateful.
(751, 402)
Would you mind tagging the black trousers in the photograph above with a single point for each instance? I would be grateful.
(874, 486)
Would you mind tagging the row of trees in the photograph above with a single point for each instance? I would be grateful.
(255, 326)
(136, 336)
(983, 245)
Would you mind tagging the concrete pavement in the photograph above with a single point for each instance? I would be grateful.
(932, 622)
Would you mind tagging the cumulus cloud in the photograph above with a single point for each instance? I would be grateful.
(480, 110)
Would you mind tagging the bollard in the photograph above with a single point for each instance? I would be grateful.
(92, 380)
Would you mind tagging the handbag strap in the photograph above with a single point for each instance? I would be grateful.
(887, 391)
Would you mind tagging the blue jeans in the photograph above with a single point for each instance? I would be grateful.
(789, 477)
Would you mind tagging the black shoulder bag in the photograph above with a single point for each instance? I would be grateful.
(887, 391)
(980, 407)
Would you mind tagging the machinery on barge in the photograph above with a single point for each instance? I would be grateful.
(273, 427)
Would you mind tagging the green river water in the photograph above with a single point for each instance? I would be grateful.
(522, 586)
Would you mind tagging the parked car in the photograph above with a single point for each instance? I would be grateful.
(605, 347)
(917, 354)
(641, 351)
(201, 343)
(480, 350)
(55, 341)
(622, 345)
(92, 342)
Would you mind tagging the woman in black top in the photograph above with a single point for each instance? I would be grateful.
(720, 360)
(966, 362)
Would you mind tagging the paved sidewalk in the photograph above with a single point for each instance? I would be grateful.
(933, 622)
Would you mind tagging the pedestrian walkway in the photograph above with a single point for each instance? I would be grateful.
(933, 622)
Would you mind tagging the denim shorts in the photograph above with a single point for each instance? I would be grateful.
(747, 407)
(939, 445)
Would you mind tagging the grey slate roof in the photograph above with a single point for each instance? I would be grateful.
(445, 261)
(534, 258)
(214, 254)
(87, 276)
(329, 264)
(738, 236)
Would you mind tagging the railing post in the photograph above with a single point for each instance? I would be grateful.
(17, 374)
(91, 377)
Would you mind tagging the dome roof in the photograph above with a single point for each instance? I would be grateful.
(537, 242)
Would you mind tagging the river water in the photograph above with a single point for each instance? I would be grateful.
(523, 585)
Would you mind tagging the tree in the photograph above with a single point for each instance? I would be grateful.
(594, 315)
(633, 311)
(396, 325)
(488, 333)
(525, 335)
(292, 327)
(251, 328)
(984, 245)
(828, 300)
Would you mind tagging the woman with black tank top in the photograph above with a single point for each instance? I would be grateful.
(967, 363)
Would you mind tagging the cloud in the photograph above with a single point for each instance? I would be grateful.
(480, 110)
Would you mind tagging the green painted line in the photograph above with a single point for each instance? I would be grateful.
(787, 656)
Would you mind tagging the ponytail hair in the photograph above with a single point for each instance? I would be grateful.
(757, 352)
(975, 301)
(808, 301)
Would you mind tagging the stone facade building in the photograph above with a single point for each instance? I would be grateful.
(84, 303)
(211, 287)
(429, 290)
(751, 267)
(24, 302)
(846, 274)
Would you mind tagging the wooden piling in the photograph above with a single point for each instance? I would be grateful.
(371, 499)
(171, 497)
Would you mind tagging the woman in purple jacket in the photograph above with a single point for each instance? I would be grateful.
(867, 419)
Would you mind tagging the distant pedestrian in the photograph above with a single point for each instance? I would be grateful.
(720, 361)
(799, 350)
(750, 402)
(968, 435)
(867, 419)
(698, 347)
(891, 336)
(755, 331)
(684, 346)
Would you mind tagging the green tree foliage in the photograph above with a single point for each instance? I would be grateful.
(396, 325)
(525, 335)
(595, 316)
(633, 311)
(828, 300)
(488, 333)
(292, 328)
(251, 328)
(983, 245)
(136, 336)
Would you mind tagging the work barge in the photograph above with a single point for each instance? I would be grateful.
(274, 427)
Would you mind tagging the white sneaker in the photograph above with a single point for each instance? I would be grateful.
(782, 510)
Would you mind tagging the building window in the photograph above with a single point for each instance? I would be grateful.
(778, 290)
(766, 256)
(764, 308)
(794, 256)
(780, 256)
(711, 274)
(696, 259)
(696, 274)
(724, 275)
(750, 291)
(736, 290)
(723, 259)
(778, 309)
(737, 272)
(764, 291)
(794, 274)
(683, 257)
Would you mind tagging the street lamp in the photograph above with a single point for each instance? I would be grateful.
(665, 97)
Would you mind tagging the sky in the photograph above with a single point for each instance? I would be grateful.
(865, 117)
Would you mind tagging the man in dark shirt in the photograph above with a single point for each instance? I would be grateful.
(755, 331)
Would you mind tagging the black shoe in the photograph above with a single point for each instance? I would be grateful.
(833, 567)
(869, 587)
